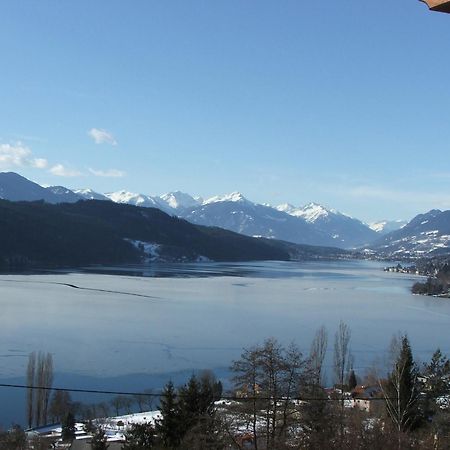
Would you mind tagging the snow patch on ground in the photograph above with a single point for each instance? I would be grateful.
(150, 249)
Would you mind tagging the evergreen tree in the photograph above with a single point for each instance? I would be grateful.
(437, 375)
(437, 389)
(169, 427)
(190, 406)
(401, 392)
(210, 391)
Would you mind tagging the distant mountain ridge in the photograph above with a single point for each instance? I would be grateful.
(425, 235)
(387, 226)
(312, 224)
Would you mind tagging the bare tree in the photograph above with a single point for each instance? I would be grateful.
(103, 408)
(247, 379)
(48, 383)
(31, 371)
(269, 377)
(317, 354)
(60, 405)
(121, 403)
(342, 361)
(342, 355)
(39, 375)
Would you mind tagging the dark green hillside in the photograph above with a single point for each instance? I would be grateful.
(34, 234)
(153, 225)
(40, 234)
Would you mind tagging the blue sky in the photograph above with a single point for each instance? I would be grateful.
(345, 103)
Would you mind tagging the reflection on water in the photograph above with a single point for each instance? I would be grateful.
(272, 269)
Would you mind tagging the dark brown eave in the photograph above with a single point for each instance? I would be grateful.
(438, 5)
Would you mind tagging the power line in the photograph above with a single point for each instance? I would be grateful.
(86, 391)
(161, 394)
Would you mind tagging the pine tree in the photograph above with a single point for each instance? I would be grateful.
(190, 407)
(169, 427)
(436, 388)
(401, 391)
(437, 374)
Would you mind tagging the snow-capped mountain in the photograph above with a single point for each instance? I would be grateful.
(425, 235)
(310, 224)
(310, 212)
(146, 201)
(346, 231)
(179, 200)
(236, 197)
(387, 226)
(89, 194)
(242, 216)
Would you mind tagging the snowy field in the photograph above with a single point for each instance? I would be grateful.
(108, 325)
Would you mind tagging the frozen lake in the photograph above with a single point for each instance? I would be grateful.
(195, 316)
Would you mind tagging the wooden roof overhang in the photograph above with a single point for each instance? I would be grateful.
(438, 5)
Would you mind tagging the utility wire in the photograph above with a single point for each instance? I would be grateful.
(161, 394)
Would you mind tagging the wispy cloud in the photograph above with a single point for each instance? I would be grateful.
(111, 173)
(393, 195)
(13, 156)
(40, 163)
(24, 137)
(61, 171)
(101, 136)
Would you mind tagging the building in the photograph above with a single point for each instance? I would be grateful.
(366, 398)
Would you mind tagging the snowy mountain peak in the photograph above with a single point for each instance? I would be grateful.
(287, 208)
(310, 212)
(313, 211)
(90, 194)
(233, 197)
(179, 200)
(386, 226)
(125, 197)
(84, 192)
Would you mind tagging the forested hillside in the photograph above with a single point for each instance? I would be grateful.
(34, 234)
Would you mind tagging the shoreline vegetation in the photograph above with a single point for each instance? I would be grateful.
(437, 271)
(278, 400)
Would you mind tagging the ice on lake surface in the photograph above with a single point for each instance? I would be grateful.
(197, 316)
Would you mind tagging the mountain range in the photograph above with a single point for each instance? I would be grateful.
(43, 235)
(311, 224)
(425, 235)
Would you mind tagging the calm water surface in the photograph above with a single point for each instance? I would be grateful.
(166, 318)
